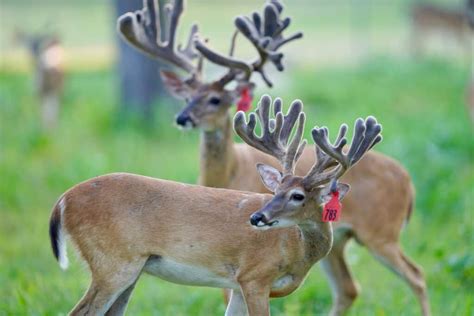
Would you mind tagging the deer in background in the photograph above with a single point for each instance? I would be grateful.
(384, 197)
(47, 54)
(125, 224)
(470, 85)
(427, 19)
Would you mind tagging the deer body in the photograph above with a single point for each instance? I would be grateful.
(130, 215)
(126, 224)
(374, 211)
(384, 197)
(428, 19)
(48, 58)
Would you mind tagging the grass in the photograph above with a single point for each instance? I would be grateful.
(426, 127)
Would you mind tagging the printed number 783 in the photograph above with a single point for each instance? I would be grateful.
(330, 215)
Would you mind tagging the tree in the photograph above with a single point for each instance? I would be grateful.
(140, 82)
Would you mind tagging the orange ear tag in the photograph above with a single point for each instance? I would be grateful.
(245, 101)
(332, 209)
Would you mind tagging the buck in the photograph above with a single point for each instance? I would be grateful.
(428, 19)
(386, 198)
(47, 54)
(125, 224)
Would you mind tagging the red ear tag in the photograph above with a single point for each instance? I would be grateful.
(245, 101)
(332, 209)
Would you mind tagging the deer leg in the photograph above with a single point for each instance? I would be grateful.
(236, 306)
(120, 305)
(96, 301)
(226, 293)
(392, 256)
(256, 298)
(344, 287)
(106, 287)
(50, 109)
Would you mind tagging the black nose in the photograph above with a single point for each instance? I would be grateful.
(183, 119)
(256, 218)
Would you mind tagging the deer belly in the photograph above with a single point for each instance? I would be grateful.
(186, 274)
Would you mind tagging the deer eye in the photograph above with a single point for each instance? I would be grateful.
(214, 101)
(297, 197)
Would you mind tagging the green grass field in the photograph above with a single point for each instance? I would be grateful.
(426, 127)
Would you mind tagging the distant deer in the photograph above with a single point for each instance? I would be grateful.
(47, 54)
(125, 224)
(470, 86)
(428, 19)
(386, 198)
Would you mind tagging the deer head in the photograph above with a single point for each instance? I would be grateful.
(296, 199)
(36, 43)
(207, 102)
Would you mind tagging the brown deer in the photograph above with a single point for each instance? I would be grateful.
(428, 19)
(125, 224)
(47, 54)
(386, 198)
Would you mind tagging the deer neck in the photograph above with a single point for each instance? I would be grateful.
(217, 155)
(317, 237)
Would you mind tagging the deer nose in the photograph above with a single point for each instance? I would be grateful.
(256, 218)
(183, 120)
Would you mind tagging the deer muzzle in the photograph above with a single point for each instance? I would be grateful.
(265, 216)
(258, 219)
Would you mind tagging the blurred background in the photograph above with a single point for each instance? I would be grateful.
(96, 106)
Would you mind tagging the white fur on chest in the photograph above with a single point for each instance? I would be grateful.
(180, 273)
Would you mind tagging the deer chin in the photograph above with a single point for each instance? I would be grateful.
(265, 226)
(189, 125)
(279, 223)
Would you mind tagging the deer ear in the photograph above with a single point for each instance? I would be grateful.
(326, 195)
(271, 177)
(177, 87)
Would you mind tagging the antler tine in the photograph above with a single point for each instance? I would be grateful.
(266, 35)
(296, 147)
(246, 131)
(275, 132)
(219, 59)
(370, 131)
(366, 135)
(289, 120)
(232, 43)
(325, 161)
(257, 22)
(284, 41)
(278, 5)
(188, 50)
(271, 19)
(142, 30)
(176, 8)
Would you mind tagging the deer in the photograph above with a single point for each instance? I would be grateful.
(125, 224)
(387, 198)
(427, 18)
(47, 54)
